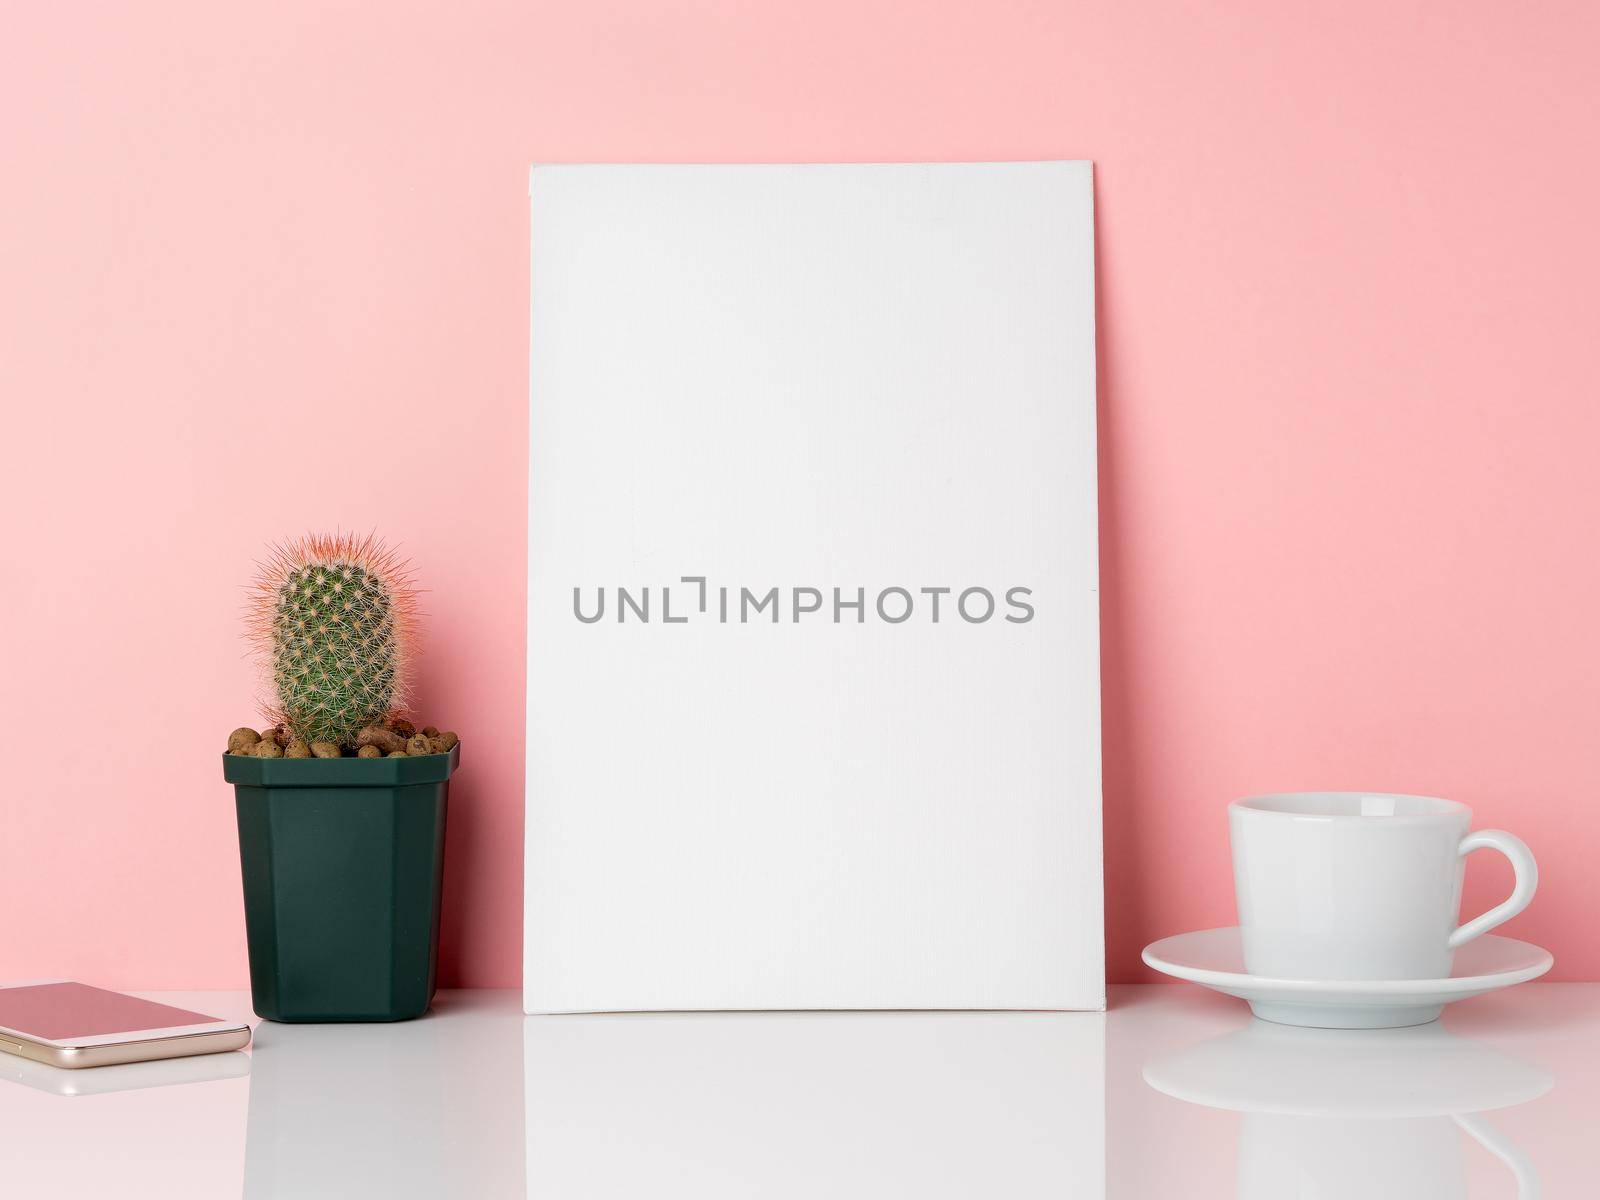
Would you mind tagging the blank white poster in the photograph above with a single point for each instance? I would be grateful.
(813, 641)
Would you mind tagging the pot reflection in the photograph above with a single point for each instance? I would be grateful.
(424, 1108)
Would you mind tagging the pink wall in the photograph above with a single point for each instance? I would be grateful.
(265, 271)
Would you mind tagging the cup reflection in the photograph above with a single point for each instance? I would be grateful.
(1355, 1113)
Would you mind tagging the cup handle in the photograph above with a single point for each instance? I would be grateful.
(1527, 881)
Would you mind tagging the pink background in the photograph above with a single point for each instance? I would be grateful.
(265, 271)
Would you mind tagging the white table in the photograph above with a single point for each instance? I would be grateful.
(478, 1101)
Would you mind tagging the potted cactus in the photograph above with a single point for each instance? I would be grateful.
(340, 799)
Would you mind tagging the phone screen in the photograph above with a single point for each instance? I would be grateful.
(57, 1011)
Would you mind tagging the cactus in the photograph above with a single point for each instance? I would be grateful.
(332, 620)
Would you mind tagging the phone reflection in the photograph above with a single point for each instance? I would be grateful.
(1367, 1114)
(173, 1128)
(128, 1077)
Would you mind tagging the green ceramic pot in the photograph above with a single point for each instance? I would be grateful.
(343, 862)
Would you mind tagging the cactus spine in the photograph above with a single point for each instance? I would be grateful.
(332, 618)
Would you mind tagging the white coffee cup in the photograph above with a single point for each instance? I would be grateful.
(1360, 885)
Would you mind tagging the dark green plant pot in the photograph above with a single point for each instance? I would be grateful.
(343, 862)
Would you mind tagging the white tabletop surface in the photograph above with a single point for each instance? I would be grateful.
(1174, 1093)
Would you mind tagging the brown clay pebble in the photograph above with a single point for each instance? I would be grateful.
(450, 740)
(297, 748)
(401, 727)
(437, 746)
(419, 745)
(241, 739)
(273, 735)
(267, 748)
(324, 750)
(397, 754)
(383, 739)
(369, 752)
(429, 731)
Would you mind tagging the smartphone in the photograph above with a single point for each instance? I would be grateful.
(67, 1024)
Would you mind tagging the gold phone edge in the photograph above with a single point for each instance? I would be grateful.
(74, 1058)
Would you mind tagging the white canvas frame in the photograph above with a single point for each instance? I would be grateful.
(808, 378)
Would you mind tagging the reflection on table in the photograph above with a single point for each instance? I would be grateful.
(1364, 1114)
(140, 1130)
(1173, 1093)
(425, 1108)
(779, 1105)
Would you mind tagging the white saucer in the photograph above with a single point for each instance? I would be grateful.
(1214, 958)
